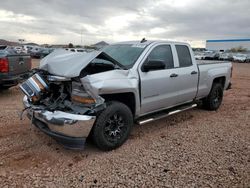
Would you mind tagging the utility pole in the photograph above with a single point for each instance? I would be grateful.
(81, 35)
(21, 40)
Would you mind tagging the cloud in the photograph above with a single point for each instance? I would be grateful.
(61, 21)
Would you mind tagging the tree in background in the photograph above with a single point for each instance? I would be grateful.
(71, 45)
(238, 49)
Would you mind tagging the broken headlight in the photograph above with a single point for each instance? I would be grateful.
(79, 95)
(34, 87)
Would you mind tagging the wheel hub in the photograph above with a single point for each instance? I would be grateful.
(114, 126)
(217, 97)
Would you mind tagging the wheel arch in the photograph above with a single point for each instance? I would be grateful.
(127, 98)
(221, 80)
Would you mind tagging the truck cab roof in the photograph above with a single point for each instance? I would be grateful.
(148, 42)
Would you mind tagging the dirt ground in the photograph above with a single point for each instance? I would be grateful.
(196, 148)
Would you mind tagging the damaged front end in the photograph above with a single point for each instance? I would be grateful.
(61, 107)
(63, 97)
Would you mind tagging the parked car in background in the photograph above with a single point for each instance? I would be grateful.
(3, 47)
(13, 68)
(25, 49)
(248, 58)
(76, 49)
(80, 50)
(239, 57)
(211, 55)
(28, 48)
(105, 92)
(41, 52)
(18, 49)
(199, 55)
(225, 56)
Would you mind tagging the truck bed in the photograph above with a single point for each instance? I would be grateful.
(205, 62)
(208, 70)
(14, 68)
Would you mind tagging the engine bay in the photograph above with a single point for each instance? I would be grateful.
(97, 66)
(59, 93)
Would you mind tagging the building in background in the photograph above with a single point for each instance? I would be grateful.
(227, 44)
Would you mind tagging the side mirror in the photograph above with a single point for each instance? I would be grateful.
(153, 65)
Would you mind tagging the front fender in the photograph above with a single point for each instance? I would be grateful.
(112, 82)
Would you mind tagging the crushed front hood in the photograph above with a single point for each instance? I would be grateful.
(67, 64)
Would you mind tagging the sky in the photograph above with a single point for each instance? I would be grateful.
(87, 22)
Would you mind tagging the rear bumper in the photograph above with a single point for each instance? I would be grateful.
(71, 130)
(11, 80)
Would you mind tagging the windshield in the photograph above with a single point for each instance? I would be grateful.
(125, 54)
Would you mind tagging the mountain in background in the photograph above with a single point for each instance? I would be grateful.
(8, 43)
(31, 44)
(98, 45)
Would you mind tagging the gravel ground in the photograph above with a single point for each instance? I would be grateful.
(195, 148)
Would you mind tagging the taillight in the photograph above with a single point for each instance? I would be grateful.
(4, 65)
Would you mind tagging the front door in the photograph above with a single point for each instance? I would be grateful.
(157, 88)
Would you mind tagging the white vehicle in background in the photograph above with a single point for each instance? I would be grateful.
(76, 49)
(248, 58)
(240, 57)
(211, 55)
(28, 48)
(18, 49)
(199, 56)
(225, 56)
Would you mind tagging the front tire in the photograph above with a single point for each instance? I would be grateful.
(214, 99)
(113, 126)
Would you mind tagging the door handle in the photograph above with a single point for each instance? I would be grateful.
(194, 72)
(173, 75)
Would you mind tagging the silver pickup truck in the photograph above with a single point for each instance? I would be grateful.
(101, 94)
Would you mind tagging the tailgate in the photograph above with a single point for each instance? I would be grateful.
(19, 64)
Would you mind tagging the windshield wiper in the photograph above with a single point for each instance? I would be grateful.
(105, 56)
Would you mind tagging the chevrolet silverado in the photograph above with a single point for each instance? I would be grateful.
(101, 94)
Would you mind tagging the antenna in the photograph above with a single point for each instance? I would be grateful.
(143, 40)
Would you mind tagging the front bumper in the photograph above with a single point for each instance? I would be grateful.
(71, 130)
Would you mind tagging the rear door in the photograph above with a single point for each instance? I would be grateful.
(19, 64)
(187, 74)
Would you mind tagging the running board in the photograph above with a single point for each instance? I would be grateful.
(161, 115)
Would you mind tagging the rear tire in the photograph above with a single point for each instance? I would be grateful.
(214, 99)
(113, 126)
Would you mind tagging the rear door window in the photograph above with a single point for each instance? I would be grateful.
(184, 56)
